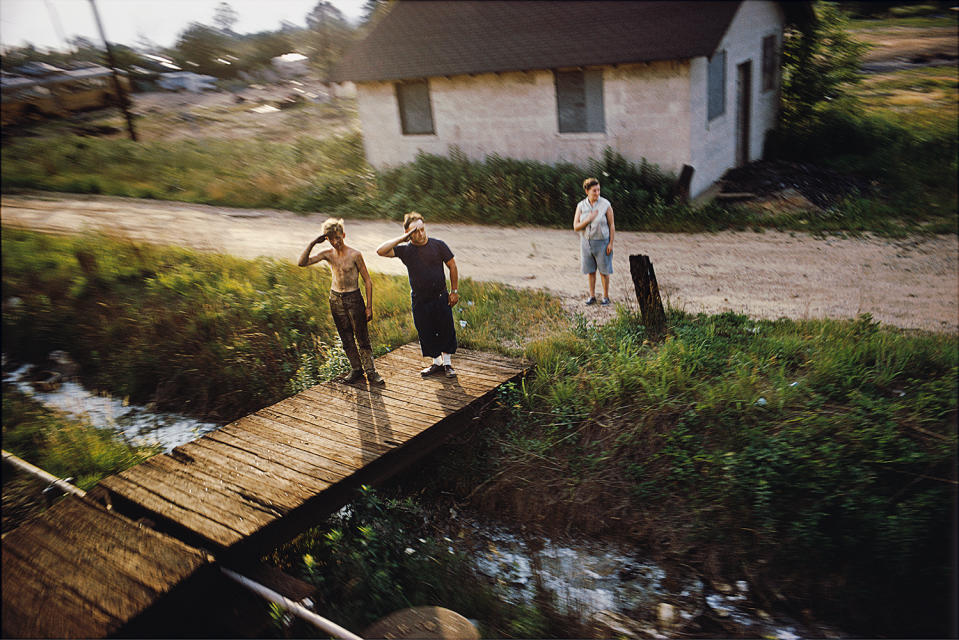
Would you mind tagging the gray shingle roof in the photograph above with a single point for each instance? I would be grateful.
(422, 38)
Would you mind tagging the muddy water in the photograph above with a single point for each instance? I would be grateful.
(137, 425)
(600, 582)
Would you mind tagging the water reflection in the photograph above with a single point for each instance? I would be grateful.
(137, 425)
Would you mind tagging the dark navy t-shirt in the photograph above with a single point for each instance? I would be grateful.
(425, 265)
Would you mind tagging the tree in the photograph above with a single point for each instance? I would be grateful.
(821, 61)
(330, 33)
(199, 46)
(224, 17)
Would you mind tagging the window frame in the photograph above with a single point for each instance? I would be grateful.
(770, 68)
(403, 106)
(592, 117)
(712, 110)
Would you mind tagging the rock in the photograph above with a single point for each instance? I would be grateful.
(609, 624)
(50, 382)
(64, 364)
(423, 622)
(667, 614)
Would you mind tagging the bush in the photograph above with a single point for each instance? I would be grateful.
(810, 457)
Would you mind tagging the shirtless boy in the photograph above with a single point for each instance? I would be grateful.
(350, 315)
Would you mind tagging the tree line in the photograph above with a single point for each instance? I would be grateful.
(216, 49)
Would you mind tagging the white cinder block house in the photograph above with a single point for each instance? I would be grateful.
(676, 83)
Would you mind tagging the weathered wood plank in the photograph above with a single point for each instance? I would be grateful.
(35, 605)
(280, 470)
(465, 367)
(88, 577)
(212, 530)
(381, 420)
(267, 496)
(412, 384)
(360, 435)
(317, 439)
(274, 449)
(468, 357)
(224, 508)
(348, 398)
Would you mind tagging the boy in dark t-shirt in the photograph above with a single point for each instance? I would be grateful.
(424, 258)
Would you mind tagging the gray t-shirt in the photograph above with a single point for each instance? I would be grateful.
(598, 229)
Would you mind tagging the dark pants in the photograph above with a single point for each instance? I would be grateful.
(349, 316)
(433, 318)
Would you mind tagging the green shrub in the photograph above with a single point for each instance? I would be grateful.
(813, 455)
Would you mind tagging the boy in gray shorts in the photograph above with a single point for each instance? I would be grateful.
(594, 221)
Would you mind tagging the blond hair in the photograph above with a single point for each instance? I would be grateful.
(589, 183)
(410, 218)
(334, 226)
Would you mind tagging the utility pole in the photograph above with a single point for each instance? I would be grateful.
(121, 94)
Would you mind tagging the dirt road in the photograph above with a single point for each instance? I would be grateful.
(911, 283)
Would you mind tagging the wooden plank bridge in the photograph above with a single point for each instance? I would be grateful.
(88, 567)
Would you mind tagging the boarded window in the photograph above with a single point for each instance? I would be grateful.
(717, 85)
(579, 101)
(416, 115)
(770, 62)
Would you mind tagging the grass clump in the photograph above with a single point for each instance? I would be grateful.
(814, 459)
(208, 334)
(62, 446)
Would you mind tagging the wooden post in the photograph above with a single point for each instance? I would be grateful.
(647, 293)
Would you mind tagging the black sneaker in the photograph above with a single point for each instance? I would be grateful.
(355, 374)
(450, 372)
(375, 378)
(591, 300)
(605, 302)
(430, 370)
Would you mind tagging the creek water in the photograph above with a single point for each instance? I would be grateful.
(137, 425)
(588, 580)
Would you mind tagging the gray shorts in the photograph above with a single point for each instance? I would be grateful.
(592, 256)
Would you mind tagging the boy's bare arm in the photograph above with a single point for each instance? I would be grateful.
(368, 284)
(305, 259)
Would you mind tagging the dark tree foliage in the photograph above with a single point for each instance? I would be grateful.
(820, 61)
(199, 47)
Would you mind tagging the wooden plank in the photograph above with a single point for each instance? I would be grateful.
(413, 384)
(194, 521)
(243, 456)
(330, 470)
(345, 398)
(318, 439)
(468, 356)
(142, 553)
(271, 498)
(89, 576)
(35, 605)
(242, 474)
(340, 415)
(225, 508)
(359, 435)
(465, 367)
(397, 407)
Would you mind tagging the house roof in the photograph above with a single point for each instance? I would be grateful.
(423, 38)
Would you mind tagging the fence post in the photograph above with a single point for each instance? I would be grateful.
(647, 293)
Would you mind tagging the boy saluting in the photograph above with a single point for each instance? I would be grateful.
(350, 315)
(424, 258)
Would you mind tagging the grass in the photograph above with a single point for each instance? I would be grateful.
(65, 447)
(809, 458)
(212, 335)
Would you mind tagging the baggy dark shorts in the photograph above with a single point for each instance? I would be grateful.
(433, 318)
(349, 316)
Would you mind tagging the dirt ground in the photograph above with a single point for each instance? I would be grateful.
(911, 283)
